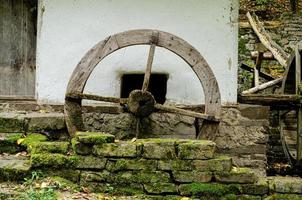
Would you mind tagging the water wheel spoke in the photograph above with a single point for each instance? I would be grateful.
(149, 68)
(185, 112)
(97, 98)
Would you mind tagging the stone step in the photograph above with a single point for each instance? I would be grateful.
(12, 122)
(14, 167)
(8, 143)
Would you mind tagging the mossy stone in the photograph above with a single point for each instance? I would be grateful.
(53, 160)
(219, 164)
(13, 169)
(8, 143)
(259, 188)
(159, 148)
(81, 148)
(284, 197)
(94, 137)
(32, 139)
(91, 176)
(118, 149)
(240, 197)
(65, 184)
(90, 162)
(285, 184)
(50, 147)
(236, 175)
(196, 150)
(141, 177)
(160, 188)
(11, 123)
(192, 176)
(133, 164)
(208, 189)
(69, 174)
(178, 165)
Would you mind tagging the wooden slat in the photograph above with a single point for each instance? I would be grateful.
(96, 98)
(263, 86)
(263, 99)
(186, 112)
(251, 69)
(148, 68)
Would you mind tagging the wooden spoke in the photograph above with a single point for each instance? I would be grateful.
(185, 112)
(149, 68)
(97, 98)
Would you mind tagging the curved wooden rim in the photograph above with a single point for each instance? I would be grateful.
(166, 40)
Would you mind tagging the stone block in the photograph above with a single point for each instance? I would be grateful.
(141, 177)
(222, 163)
(90, 162)
(158, 148)
(132, 164)
(12, 123)
(118, 149)
(236, 175)
(192, 176)
(81, 148)
(179, 165)
(13, 168)
(160, 188)
(286, 185)
(196, 150)
(52, 160)
(91, 176)
(213, 190)
(8, 142)
(45, 121)
(258, 188)
(50, 147)
(91, 138)
(283, 197)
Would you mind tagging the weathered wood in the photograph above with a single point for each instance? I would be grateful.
(97, 98)
(168, 41)
(266, 55)
(257, 68)
(186, 112)
(299, 137)
(266, 40)
(148, 68)
(263, 86)
(261, 74)
(273, 99)
(298, 68)
(267, 24)
(17, 47)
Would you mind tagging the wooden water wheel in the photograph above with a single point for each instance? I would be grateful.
(291, 118)
(141, 103)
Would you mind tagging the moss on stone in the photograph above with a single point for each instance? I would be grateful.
(133, 164)
(31, 139)
(94, 137)
(8, 143)
(141, 177)
(196, 149)
(208, 189)
(64, 184)
(160, 188)
(119, 149)
(284, 197)
(53, 160)
(50, 147)
(80, 148)
(90, 162)
(236, 175)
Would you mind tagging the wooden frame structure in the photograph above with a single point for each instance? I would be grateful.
(154, 38)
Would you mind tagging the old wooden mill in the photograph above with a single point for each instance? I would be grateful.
(286, 99)
(141, 103)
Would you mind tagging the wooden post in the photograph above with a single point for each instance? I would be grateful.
(257, 68)
(299, 118)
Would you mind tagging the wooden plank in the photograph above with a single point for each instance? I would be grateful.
(263, 86)
(272, 100)
(266, 55)
(96, 98)
(186, 112)
(17, 47)
(266, 40)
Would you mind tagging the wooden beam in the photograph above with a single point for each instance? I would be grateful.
(257, 68)
(96, 98)
(271, 100)
(266, 55)
(266, 40)
(261, 74)
(263, 86)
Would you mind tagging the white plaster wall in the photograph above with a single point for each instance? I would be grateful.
(67, 29)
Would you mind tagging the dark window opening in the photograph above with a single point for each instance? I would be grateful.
(157, 85)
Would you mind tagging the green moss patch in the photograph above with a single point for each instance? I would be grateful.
(31, 140)
(50, 147)
(8, 142)
(52, 160)
(208, 189)
(94, 137)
